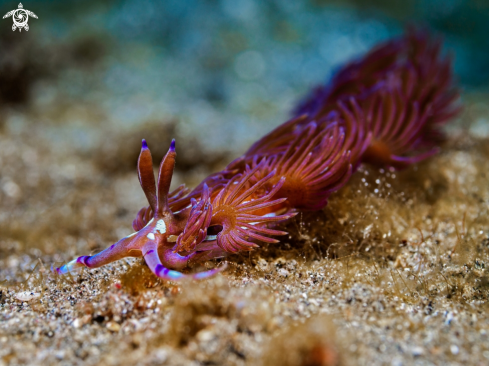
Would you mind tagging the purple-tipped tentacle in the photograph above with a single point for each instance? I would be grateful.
(146, 175)
(164, 180)
(150, 253)
(113, 253)
(75, 264)
(153, 261)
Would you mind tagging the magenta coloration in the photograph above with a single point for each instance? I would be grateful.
(385, 109)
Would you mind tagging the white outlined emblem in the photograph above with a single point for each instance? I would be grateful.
(20, 17)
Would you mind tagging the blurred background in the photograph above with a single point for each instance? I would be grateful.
(90, 78)
(226, 71)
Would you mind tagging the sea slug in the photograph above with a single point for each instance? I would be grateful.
(385, 109)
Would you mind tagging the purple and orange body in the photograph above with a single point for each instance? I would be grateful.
(386, 109)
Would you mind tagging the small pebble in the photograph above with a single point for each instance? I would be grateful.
(79, 322)
(113, 326)
(282, 272)
(205, 335)
(418, 351)
(26, 295)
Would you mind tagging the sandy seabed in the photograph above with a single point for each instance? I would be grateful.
(393, 271)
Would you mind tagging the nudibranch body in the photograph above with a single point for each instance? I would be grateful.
(385, 109)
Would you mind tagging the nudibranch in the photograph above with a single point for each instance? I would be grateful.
(385, 109)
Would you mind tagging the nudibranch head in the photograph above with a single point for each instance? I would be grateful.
(156, 238)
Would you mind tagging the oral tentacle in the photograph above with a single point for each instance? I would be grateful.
(113, 253)
(150, 252)
(175, 260)
(69, 267)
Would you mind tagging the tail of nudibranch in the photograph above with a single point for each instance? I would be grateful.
(405, 88)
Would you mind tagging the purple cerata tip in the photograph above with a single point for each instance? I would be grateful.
(172, 145)
(144, 144)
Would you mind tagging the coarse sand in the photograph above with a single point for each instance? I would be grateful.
(394, 271)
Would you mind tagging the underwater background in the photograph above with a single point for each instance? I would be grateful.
(394, 271)
(228, 70)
